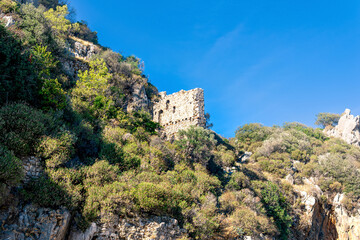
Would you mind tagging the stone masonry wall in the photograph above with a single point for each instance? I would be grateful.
(179, 110)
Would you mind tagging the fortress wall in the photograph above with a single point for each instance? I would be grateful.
(179, 110)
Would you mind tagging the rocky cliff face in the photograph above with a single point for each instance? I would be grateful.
(82, 49)
(30, 222)
(138, 100)
(347, 129)
(347, 225)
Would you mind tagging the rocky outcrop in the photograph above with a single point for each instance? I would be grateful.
(322, 223)
(139, 100)
(82, 49)
(157, 228)
(31, 222)
(76, 234)
(347, 226)
(72, 66)
(347, 129)
(7, 20)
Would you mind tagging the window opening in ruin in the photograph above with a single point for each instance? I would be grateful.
(159, 118)
(167, 104)
(174, 109)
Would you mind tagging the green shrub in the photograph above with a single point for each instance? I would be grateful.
(46, 193)
(341, 169)
(51, 3)
(53, 96)
(108, 201)
(238, 181)
(18, 78)
(89, 96)
(100, 174)
(57, 19)
(36, 29)
(9, 6)
(57, 150)
(153, 198)
(82, 31)
(11, 171)
(276, 206)
(278, 165)
(196, 143)
(22, 127)
(246, 222)
(285, 141)
(315, 133)
(253, 132)
(71, 182)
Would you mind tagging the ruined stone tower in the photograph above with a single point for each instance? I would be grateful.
(179, 110)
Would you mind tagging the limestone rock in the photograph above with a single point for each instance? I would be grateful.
(245, 157)
(72, 66)
(7, 20)
(347, 226)
(139, 99)
(31, 222)
(82, 49)
(347, 129)
(157, 228)
(76, 234)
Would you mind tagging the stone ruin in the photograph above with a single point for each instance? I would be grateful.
(32, 168)
(178, 111)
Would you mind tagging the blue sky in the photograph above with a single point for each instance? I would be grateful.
(258, 61)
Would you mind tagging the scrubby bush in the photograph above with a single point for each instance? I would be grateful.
(57, 150)
(238, 181)
(46, 193)
(82, 31)
(196, 143)
(276, 206)
(57, 19)
(71, 183)
(153, 198)
(340, 169)
(22, 127)
(224, 157)
(18, 78)
(246, 222)
(311, 132)
(285, 141)
(107, 201)
(89, 96)
(100, 174)
(36, 29)
(51, 3)
(252, 132)
(9, 6)
(11, 171)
